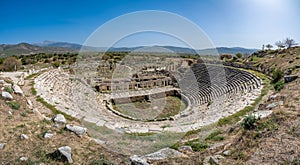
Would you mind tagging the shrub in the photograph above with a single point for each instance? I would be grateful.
(11, 64)
(249, 122)
(278, 85)
(277, 75)
(8, 89)
(13, 105)
(239, 55)
(56, 64)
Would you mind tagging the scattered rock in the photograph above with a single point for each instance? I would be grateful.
(136, 160)
(290, 78)
(272, 97)
(2, 146)
(30, 105)
(67, 152)
(98, 141)
(23, 158)
(59, 119)
(48, 135)
(185, 149)
(164, 153)
(10, 112)
(288, 72)
(18, 90)
(272, 105)
(76, 129)
(7, 95)
(2, 81)
(227, 153)
(46, 118)
(24, 137)
(262, 114)
(216, 159)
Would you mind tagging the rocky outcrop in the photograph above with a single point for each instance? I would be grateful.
(136, 160)
(7, 95)
(290, 78)
(76, 129)
(162, 154)
(59, 119)
(272, 105)
(18, 90)
(185, 149)
(216, 159)
(66, 151)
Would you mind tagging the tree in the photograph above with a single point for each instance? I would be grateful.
(11, 64)
(239, 55)
(280, 45)
(269, 46)
(289, 42)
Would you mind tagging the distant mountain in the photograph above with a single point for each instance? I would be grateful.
(209, 51)
(25, 49)
(47, 43)
(63, 47)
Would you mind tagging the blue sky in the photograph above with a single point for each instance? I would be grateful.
(244, 23)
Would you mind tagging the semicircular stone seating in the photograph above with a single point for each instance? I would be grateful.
(204, 83)
(201, 84)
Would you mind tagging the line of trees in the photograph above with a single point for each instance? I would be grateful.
(286, 43)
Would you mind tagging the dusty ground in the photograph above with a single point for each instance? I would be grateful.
(37, 149)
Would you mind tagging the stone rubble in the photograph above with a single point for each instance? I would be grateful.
(59, 119)
(18, 90)
(7, 95)
(24, 137)
(67, 152)
(2, 145)
(76, 129)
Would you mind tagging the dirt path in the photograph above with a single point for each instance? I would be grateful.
(37, 106)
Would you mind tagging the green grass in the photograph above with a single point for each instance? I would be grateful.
(23, 114)
(13, 105)
(215, 136)
(31, 76)
(141, 134)
(278, 85)
(33, 91)
(197, 145)
(144, 110)
(53, 109)
(192, 132)
(8, 89)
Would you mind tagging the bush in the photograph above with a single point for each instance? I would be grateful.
(56, 64)
(239, 55)
(8, 89)
(278, 85)
(11, 64)
(277, 75)
(13, 105)
(249, 122)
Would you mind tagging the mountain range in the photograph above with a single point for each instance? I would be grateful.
(64, 47)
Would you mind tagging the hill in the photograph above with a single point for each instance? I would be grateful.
(25, 48)
(64, 47)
